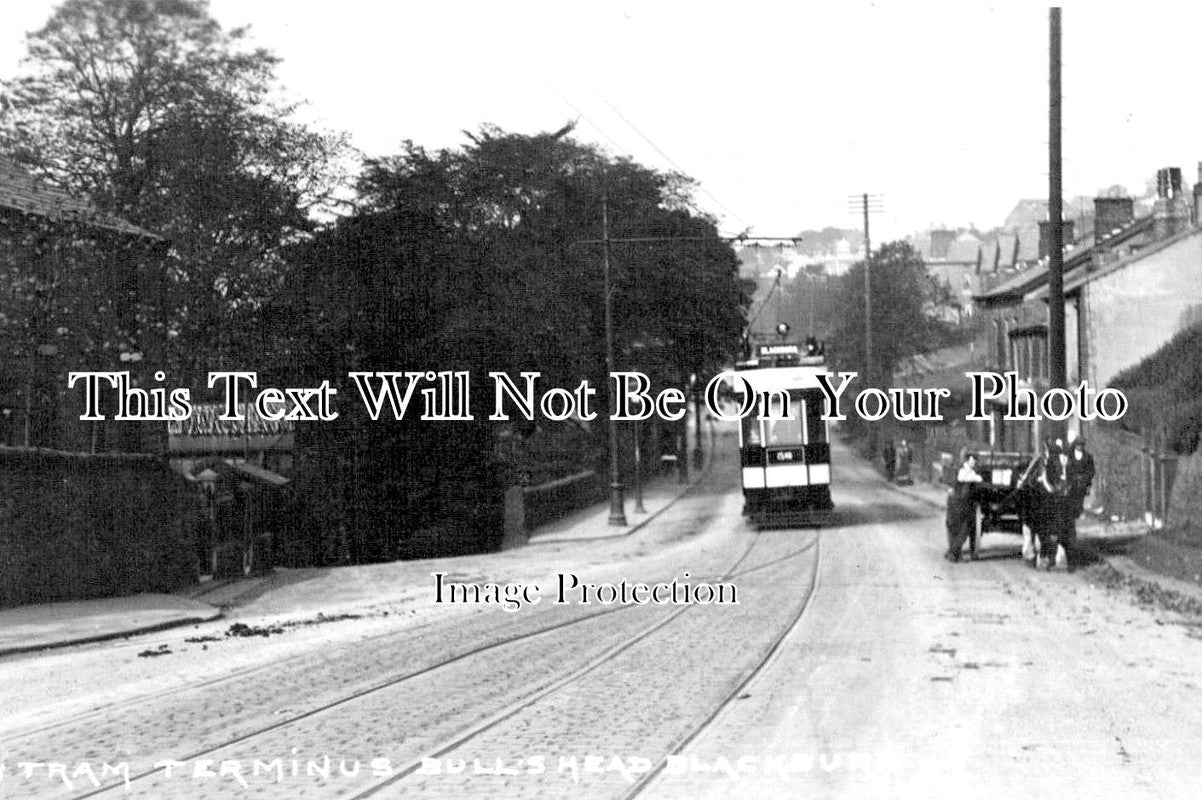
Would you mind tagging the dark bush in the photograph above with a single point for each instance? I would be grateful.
(77, 526)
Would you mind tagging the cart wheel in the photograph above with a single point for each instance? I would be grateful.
(978, 523)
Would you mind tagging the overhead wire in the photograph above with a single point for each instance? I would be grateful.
(667, 157)
(692, 205)
(766, 300)
(584, 117)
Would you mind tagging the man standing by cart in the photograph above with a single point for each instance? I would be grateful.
(962, 507)
(1079, 472)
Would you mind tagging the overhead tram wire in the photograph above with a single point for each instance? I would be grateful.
(692, 205)
(766, 300)
(596, 127)
(669, 158)
(688, 201)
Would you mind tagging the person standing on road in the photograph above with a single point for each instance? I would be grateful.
(962, 507)
(903, 463)
(889, 455)
(1079, 472)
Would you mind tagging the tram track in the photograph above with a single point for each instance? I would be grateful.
(604, 659)
(341, 702)
(710, 480)
(645, 782)
(745, 564)
(175, 691)
(358, 695)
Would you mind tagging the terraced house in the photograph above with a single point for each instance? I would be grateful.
(1130, 285)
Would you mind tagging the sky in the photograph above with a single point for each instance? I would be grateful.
(781, 111)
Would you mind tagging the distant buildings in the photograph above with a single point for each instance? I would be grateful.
(1130, 284)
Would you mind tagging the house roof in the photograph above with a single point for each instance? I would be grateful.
(1009, 249)
(1082, 277)
(19, 191)
(1028, 244)
(1016, 287)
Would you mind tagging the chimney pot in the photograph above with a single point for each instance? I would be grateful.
(1111, 214)
(1170, 213)
(1045, 235)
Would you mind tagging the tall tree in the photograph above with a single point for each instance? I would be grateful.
(526, 213)
(488, 258)
(902, 296)
(155, 113)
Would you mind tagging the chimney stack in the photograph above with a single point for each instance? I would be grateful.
(1045, 235)
(1171, 212)
(1110, 213)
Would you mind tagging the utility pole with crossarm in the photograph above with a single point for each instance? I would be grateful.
(617, 501)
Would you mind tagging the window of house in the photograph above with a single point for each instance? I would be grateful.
(1029, 353)
(1039, 349)
(1001, 348)
(1018, 355)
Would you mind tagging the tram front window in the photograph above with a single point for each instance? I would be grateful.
(751, 431)
(783, 432)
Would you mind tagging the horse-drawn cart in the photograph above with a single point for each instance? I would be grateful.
(996, 497)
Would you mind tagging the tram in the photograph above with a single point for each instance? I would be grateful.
(786, 463)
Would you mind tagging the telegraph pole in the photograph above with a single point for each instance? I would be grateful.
(617, 511)
(1057, 366)
(867, 203)
(867, 296)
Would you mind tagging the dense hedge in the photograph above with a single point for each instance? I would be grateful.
(1119, 485)
(77, 526)
(1165, 392)
(1185, 505)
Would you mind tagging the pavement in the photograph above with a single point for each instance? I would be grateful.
(51, 625)
(39, 627)
(593, 522)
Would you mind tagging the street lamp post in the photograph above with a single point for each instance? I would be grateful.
(617, 510)
(638, 470)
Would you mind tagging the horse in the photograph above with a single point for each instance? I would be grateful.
(1046, 511)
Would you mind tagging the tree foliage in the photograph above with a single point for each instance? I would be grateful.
(153, 112)
(496, 247)
(488, 258)
(902, 294)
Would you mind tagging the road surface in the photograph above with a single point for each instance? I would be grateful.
(856, 663)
